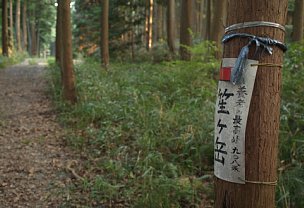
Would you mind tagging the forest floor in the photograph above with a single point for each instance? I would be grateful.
(33, 159)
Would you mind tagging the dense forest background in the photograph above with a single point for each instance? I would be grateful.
(139, 109)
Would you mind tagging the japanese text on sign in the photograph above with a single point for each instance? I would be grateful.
(232, 107)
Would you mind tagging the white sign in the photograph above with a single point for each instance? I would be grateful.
(231, 112)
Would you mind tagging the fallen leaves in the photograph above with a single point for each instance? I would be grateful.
(32, 170)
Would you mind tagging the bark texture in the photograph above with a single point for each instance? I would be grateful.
(58, 36)
(186, 28)
(69, 91)
(208, 20)
(298, 21)
(105, 34)
(11, 26)
(4, 29)
(263, 120)
(159, 22)
(218, 22)
(33, 38)
(24, 25)
(170, 25)
(149, 24)
(18, 28)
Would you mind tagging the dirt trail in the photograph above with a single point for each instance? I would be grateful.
(32, 158)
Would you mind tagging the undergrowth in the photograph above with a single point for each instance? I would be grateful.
(145, 132)
(290, 190)
(15, 58)
(149, 130)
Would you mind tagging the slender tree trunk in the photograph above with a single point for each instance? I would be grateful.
(208, 20)
(18, 29)
(58, 44)
(11, 26)
(24, 25)
(197, 6)
(146, 33)
(149, 24)
(201, 19)
(38, 40)
(263, 120)
(33, 38)
(218, 23)
(159, 22)
(178, 18)
(170, 25)
(4, 29)
(298, 21)
(29, 32)
(186, 28)
(69, 91)
(133, 32)
(105, 34)
(164, 23)
(154, 22)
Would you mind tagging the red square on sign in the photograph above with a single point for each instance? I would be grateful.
(225, 73)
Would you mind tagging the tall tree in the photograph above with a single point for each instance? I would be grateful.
(149, 24)
(4, 29)
(208, 20)
(18, 29)
(262, 131)
(155, 22)
(11, 26)
(159, 21)
(105, 34)
(33, 32)
(198, 8)
(58, 44)
(217, 29)
(170, 25)
(186, 29)
(24, 25)
(69, 91)
(298, 21)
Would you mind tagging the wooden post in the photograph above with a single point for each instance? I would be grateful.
(263, 120)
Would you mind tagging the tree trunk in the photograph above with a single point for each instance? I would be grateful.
(186, 28)
(18, 29)
(149, 24)
(155, 22)
(170, 25)
(263, 119)
(298, 21)
(11, 27)
(133, 32)
(33, 38)
(218, 24)
(69, 91)
(29, 32)
(105, 34)
(24, 26)
(208, 20)
(4, 29)
(58, 44)
(201, 18)
(160, 22)
(38, 40)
